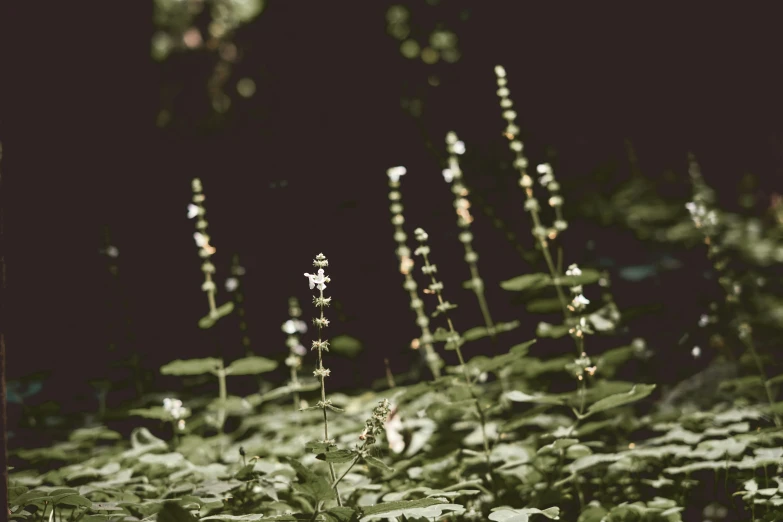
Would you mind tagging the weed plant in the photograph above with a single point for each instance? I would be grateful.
(490, 438)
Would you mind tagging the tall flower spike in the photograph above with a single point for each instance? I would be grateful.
(206, 250)
(432, 359)
(705, 218)
(294, 327)
(540, 233)
(464, 219)
(322, 345)
(453, 340)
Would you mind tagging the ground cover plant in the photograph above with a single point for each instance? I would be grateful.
(552, 433)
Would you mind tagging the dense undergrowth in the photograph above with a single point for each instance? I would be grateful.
(490, 438)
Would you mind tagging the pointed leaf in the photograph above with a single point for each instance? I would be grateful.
(377, 463)
(526, 282)
(191, 366)
(337, 456)
(518, 396)
(251, 366)
(209, 320)
(639, 391)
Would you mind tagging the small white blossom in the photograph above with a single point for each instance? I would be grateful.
(193, 211)
(320, 279)
(181, 425)
(394, 173)
(201, 239)
(448, 175)
(580, 302)
(174, 408)
(299, 350)
(544, 168)
(696, 352)
(293, 326)
(704, 320)
(112, 251)
(546, 179)
(500, 71)
(458, 147)
(232, 283)
(573, 270)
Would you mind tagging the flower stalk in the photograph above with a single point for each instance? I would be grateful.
(454, 340)
(319, 280)
(453, 175)
(706, 219)
(406, 263)
(294, 327)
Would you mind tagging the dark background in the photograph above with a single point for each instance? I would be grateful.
(80, 95)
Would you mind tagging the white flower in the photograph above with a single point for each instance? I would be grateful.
(232, 283)
(201, 239)
(174, 408)
(573, 270)
(299, 350)
(458, 147)
(546, 179)
(448, 175)
(193, 211)
(544, 168)
(704, 320)
(320, 279)
(580, 301)
(181, 425)
(394, 174)
(293, 326)
(393, 427)
(500, 71)
(696, 352)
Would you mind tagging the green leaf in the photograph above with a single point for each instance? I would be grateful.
(240, 518)
(553, 331)
(191, 366)
(538, 281)
(173, 512)
(518, 396)
(493, 364)
(639, 391)
(505, 514)
(526, 282)
(376, 463)
(587, 277)
(154, 412)
(610, 360)
(557, 445)
(398, 508)
(544, 306)
(209, 320)
(593, 514)
(93, 434)
(317, 446)
(337, 456)
(346, 345)
(482, 331)
(251, 366)
(341, 514)
(71, 500)
(776, 380)
(311, 484)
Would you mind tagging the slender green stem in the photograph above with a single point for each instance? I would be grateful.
(355, 460)
(323, 395)
(747, 340)
(223, 394)
(453, 332)
(431, 357)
